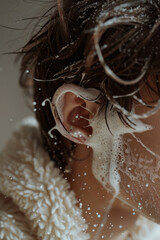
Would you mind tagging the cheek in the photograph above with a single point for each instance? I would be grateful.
(140, 172)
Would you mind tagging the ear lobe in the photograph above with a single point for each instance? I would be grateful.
(73, 111)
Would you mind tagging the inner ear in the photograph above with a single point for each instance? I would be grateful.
(74, 114)
(77, 115)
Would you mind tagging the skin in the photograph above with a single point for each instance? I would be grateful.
(140, 198)
(143, 159)
(93, 199)
(143, 192)
(140, 195)
(139, 177)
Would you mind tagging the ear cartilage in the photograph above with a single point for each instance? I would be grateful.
(88, 110)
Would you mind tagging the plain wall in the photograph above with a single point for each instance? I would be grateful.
(13, 14)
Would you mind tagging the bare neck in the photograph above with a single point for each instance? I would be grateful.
(94, 199)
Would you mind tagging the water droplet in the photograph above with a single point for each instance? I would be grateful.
(10, 177)
(80, 205)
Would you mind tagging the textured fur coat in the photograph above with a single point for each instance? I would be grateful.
(35, 200)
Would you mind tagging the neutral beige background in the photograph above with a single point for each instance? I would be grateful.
(12, 102)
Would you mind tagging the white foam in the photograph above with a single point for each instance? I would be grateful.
(107, 145)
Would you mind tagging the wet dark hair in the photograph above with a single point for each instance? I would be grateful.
(113, 46)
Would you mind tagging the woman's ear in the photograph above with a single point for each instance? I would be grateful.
(74, 108)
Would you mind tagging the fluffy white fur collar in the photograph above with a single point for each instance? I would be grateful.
(35, 200)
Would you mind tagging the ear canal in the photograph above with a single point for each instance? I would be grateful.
(73, 113)
(77, 120)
